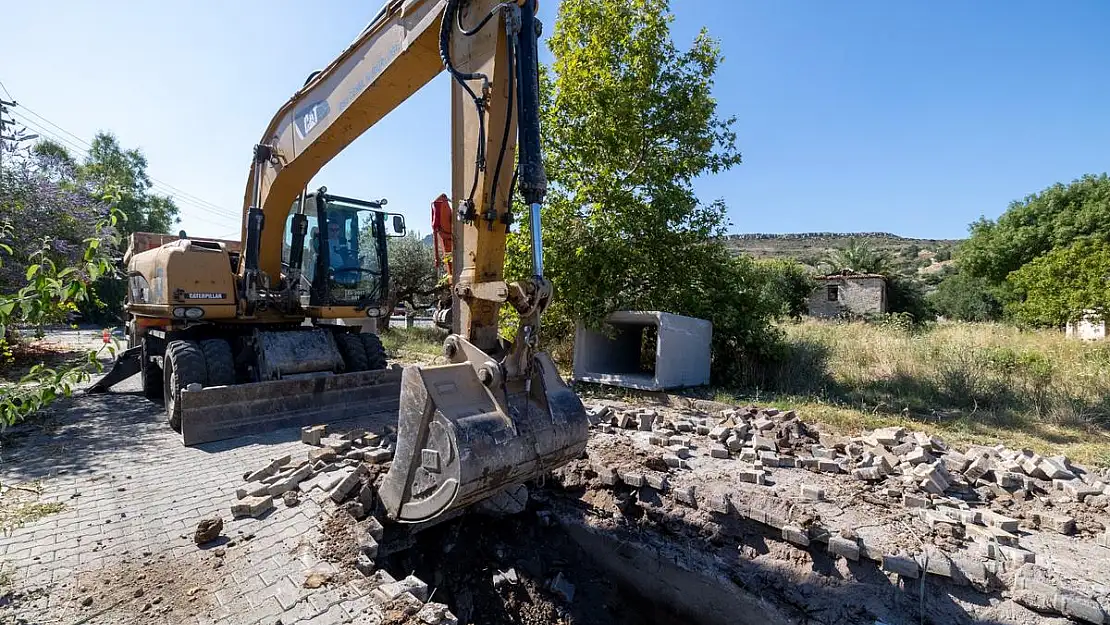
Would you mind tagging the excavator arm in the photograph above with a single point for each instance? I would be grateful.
(498, 414)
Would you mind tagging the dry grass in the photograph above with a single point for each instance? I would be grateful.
(980, 383)
(413, 343)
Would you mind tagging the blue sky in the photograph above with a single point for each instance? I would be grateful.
(909, 117)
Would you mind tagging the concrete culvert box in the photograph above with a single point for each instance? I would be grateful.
(645, 350)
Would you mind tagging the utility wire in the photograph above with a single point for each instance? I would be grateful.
(81, 152)
(166, 185)
(157, 185)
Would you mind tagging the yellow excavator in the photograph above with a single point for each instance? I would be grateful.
(256, 338)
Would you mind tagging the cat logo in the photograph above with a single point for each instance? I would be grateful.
(206, 295)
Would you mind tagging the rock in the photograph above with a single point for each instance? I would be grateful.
(910, 500)
(901, 566)
(208, 530)
(355, 509)
(375, 528)
(1055, 470)
(436, 614)
(319, 575)
(87, 601)
(868, 474)
(291, 498)
(560, 586)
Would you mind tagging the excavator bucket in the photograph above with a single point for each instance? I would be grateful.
(460, 440)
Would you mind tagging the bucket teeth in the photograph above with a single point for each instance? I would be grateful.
(457, 444)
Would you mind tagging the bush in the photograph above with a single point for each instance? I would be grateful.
(966, 298)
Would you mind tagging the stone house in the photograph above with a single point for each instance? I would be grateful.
(848, 293)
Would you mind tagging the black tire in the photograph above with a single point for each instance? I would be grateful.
(153, 383)
(184, 365)
(375, 351)
(354, 354)
(219, 362)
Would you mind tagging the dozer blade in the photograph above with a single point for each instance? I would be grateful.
(126, 365)
(458, 444)
(222, 412)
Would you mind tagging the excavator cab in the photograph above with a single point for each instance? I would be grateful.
(335, 250)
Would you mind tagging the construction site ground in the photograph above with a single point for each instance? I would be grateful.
(626, 535)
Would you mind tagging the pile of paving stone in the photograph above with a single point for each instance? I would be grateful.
(947, 489)
(342, 468)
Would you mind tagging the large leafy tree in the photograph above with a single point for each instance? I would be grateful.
(1059, 286)
(412, 272)
(967, 298)
(629, 121)
(108, 166)
(1052, 219)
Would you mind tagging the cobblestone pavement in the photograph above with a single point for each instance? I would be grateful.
(121, 550)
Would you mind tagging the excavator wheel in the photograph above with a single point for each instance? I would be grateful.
(219, 362)
(353, 352)
(151, 373)
(375, 351)
(184, 365)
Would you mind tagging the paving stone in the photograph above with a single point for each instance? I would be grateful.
(378, 456)
(312, 434)
(252, 507)
(410, 584)
(987, 535)
(1000, 521)
(679, 450)
(1103, 539)
(956, 462)
(734, 443)
(911, 500)
(1055, 470)
(685, 495)
(635, 479)
(844, 547)
(1077, 489)
(672, 460)
(795, 535)
(903, 448)
(769, 458)
(374, 528)
(647, 420)
(828, 466)
(901, 566)
(291, 481)
(714, 501)
(325, 454)
(889, 436)
(751, 476)
(978, 467)
(918, 455)
(812, 493)
(1079, 607)
(869, 474)
(762, 423)
(720, 433)
(345, 486)
(762, 442)
(1014, 555)
(658, 439)
(718, 451)
(657, 480)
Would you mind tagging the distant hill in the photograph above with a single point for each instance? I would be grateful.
(910, 255)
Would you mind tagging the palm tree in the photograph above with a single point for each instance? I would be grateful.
(857, 257)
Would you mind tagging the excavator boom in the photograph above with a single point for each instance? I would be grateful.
(498, 414)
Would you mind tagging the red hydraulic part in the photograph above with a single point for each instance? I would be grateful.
(442, 221)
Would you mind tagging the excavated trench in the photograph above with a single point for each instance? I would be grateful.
(539, 567)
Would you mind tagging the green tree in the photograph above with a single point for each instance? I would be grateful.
(966, 298)
(108, 167)
(629, 121)
(1054, 218)
(788, 284)
(412, 272)
(1058, 287)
